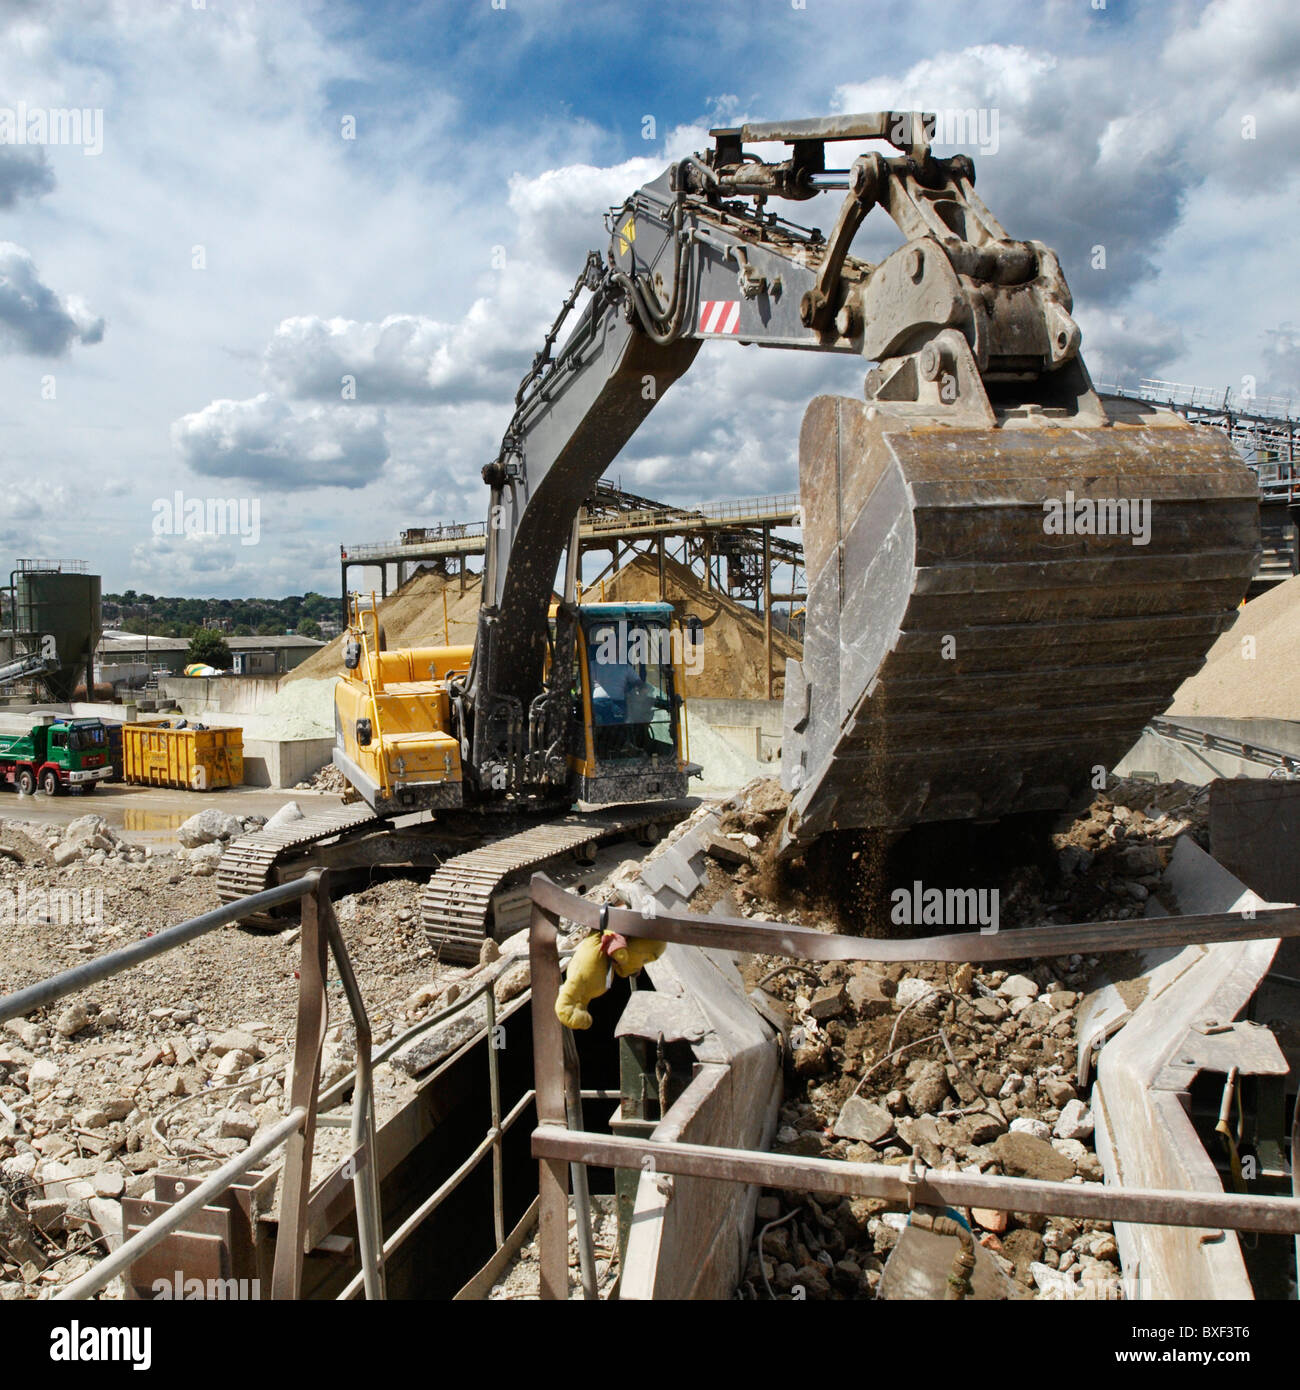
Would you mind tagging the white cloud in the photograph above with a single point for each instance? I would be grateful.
(24, 173)
(34, 318)
(264, 440)
(428, 256)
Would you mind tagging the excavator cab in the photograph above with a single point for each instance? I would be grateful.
(626, 733)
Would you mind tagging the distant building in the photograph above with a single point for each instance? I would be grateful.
(249, 656)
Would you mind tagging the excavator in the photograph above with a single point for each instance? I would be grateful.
(985, 628)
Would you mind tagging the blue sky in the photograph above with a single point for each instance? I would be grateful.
(176, 310)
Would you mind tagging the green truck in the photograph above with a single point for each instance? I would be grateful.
(53, 753)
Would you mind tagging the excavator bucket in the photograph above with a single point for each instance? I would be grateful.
(994, 613)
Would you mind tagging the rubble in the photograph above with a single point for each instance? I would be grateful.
(174, 1066)
(962, 1067)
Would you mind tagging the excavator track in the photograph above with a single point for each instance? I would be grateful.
(456, 905)
(249, 863)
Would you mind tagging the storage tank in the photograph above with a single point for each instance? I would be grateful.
(59, 599)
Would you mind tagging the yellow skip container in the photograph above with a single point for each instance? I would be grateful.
(201, 760)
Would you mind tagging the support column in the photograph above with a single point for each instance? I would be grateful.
(663, 578)
(767, 602)
(383, 579)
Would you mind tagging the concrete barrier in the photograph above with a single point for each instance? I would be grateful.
(734, 718)
(1164, 1022)
(283, 764)
(205, 695)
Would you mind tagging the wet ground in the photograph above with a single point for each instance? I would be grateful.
(150, 815)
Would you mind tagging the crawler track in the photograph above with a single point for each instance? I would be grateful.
(456, 906)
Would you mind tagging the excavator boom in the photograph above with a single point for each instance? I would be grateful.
(1007, 575)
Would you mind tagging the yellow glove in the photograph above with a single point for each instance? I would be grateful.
(587, 977)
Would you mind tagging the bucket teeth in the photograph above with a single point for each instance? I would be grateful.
(994, 614)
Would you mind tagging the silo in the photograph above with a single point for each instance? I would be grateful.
(58, 599)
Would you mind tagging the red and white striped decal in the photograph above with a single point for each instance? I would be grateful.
(719, 315)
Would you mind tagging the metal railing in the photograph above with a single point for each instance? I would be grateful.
(558, 1144)
(1208, 398)
(320, 937)
(491, 1143)
(300, 1206)
(1276, 758)
(778, 508)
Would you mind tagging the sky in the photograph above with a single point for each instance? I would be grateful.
(261, 201)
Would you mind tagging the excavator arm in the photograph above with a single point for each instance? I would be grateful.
(924, 501)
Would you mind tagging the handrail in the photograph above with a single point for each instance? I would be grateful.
(493, 1140)
(770, 507)
(45, 992)
(557, 1143)
(320, 935)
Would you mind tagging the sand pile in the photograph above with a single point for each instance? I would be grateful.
(1235, 684)
(411, 616)
(733, 657)
(304, 709)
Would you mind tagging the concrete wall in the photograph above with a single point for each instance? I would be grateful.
(1172, 761)
(201, 695)
(734, 718)
(268, 763)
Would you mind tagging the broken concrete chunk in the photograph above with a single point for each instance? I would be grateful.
(861, 1120)
(726, 850)
(1026, 1156)
(929, 1089)
(1075, 1121)
(233, 1040)
(914, 992)
(208, 826)
(828, 1002)
(72, 1020)
(866, 991)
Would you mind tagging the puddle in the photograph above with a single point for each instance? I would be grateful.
(137, 818)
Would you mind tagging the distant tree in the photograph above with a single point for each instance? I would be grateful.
(242, 630)
(309, 627)
(210, 648)
(271, 629)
